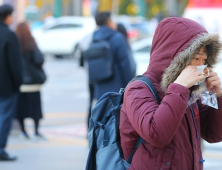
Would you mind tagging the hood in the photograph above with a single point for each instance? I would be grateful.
(103, 33)
(175, 42)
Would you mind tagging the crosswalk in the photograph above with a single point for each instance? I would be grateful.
(75, 131)
(62, 125)
(69, 129)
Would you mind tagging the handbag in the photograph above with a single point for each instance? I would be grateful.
(33, 71)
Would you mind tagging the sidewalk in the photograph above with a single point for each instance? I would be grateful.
(53, 154)
(66, 147)
(213, 156)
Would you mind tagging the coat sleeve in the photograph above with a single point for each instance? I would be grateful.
(37, 57)
(211, 122)
(14, 59)
(123, 59)
(156, 124)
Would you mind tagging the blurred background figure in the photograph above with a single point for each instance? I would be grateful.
(123, 31)
(118, 48)
(29, 103)
(10, 77)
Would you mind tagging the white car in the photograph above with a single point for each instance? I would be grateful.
(61, 36)
(141, 52)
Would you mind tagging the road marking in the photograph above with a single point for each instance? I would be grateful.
(52, 141)
(212, 155)
(58, 119)
(76, 130)
(64, 115)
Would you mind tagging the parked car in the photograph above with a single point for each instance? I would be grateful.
(61, 36)
(132, 34)
(144, 28)
(137, 27)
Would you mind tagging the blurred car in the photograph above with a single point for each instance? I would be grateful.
(137, 27)
(132, 34)
(61, 36)
(143, 28)
(141, 52)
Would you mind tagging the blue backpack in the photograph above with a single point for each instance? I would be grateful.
(104, 139)
(100, 61)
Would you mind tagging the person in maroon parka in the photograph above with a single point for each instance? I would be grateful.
(172, 131)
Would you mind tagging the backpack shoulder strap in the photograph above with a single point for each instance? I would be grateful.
(150, 85)
(152, 88)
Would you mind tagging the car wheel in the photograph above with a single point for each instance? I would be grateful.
(77, 52)
(58, 56)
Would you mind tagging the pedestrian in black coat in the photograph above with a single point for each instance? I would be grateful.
(122, 67)
(121, 28)
(29, 104)
(122, 71)
(10, 77)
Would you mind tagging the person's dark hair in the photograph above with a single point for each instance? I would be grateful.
(122, 30)
(28, 43)
(208, 49)
(102, 18)
(5, 11)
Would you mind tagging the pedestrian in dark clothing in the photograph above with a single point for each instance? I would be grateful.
(29, 103)
(123, 31)
(10, 77)
(121, 67)
(172, 130)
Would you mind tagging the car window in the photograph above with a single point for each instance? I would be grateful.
(62, 26)
(144, 49)
(141, 25)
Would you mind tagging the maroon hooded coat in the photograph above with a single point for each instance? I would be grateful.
(169, 131)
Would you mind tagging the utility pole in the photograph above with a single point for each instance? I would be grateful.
(58, 8)
(142, 6)
(173, 7)
(115, 7)
(77, 7)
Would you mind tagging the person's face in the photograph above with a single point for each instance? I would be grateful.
(200, 58)
(9, 20)
(112, 25)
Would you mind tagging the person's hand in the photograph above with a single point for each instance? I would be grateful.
(213, 82)
(189, 76)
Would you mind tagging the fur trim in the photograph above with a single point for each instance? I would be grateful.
(184, 58)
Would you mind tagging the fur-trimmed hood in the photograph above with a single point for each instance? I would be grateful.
(175, 42)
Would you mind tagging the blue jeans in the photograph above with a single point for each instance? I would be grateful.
(7, 110)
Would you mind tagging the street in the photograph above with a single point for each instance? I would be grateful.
(65, 105)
